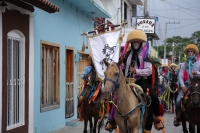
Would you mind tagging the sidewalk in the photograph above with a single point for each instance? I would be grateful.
(169, 127)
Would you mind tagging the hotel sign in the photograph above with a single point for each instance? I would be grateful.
(146, 25)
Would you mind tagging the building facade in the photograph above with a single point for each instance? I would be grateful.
(40, 62)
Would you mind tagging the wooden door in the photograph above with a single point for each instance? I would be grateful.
(69, 110)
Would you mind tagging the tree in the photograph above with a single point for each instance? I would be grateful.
(196, 37)
(180, 43)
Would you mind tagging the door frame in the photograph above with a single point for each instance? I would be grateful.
(72, 78)
(31, 66)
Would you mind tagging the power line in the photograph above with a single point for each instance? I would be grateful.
(183, 8)
(174, 18)
(183, 26)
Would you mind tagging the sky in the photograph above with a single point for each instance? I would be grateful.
(187, 12)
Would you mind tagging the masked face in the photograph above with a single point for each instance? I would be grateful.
(136, 45)
(173, 68)
(190, 53)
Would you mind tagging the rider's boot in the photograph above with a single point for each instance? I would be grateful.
(110, 125)
(158, 124)
(147, 131)
(177, 119)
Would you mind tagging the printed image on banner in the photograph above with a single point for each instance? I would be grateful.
(104, 46)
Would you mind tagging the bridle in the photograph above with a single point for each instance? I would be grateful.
(116, 83)
(127, 115)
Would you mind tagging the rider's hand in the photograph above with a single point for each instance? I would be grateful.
(133, 70)
(184, 89)
(194, 73)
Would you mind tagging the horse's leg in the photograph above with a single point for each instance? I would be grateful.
(91, 124)
(95, 124)
(100, 124)
(191, 128)
(184, 126)
(85, 125)
(198, 129)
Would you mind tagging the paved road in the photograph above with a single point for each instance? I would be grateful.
(169, 127)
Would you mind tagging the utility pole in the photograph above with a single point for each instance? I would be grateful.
(165, 38)
(173, 53)
(146, 14)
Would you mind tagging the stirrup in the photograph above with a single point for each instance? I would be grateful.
(110, 126)
(160, 126)
(176, 122)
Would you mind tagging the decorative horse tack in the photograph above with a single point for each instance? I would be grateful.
(127, 115)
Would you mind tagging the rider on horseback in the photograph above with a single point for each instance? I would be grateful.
(164, 71)
(190, 67)
(88, 71)
(173, 72)
(135, 66)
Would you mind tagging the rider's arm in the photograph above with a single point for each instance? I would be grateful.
(196, 67)
(146, 71)
(86, 71)
(181, 75)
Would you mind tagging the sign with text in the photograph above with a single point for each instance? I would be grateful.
(146, 25)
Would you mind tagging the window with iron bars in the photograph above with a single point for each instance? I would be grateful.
(50, 76)
(15, 82)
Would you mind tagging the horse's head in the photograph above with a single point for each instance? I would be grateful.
(174, 80)
(111, 81)
(195, 91)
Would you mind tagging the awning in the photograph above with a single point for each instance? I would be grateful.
(42, 4)
(90, 7)
(136, 2)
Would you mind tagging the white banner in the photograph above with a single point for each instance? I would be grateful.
(104, 46)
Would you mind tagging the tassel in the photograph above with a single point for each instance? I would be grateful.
(161, 109)
(124, 51)
(152, 77)
(185, 75)
(85, 84)
(198, 57)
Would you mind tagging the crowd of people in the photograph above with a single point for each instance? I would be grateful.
(135, 64)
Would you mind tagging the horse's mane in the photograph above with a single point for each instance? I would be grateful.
(194, 80)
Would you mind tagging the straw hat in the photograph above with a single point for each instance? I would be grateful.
(164, 65)
(136, 35)
(191, 47)
(173, 65)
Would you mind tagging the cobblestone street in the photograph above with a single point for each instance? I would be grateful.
(169, 127)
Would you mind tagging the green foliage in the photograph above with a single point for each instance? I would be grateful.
(180, 43)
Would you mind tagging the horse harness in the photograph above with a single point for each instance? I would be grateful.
(125, 116)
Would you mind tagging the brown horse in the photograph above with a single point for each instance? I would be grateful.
(127, 114)
(191, 109)
(92, 111)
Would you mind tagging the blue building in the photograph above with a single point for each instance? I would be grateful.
(41, 61)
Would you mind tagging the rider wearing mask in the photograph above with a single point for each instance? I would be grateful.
(164, 71)
(136, 66)
(189, 67)
(173, 71)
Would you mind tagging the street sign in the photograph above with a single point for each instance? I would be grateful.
(146, 25)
